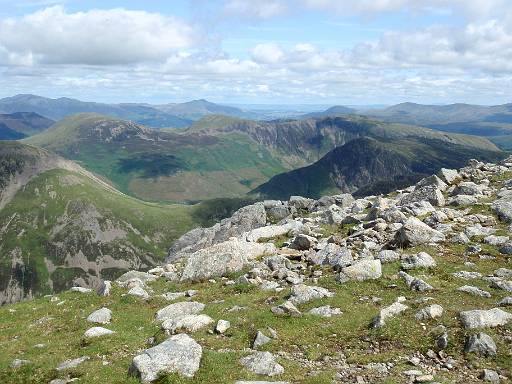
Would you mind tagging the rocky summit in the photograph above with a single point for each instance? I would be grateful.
(410, 287)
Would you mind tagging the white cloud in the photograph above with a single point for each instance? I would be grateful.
(96, 37)
(267, 53)
(255, 9)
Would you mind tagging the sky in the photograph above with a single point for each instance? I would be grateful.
(357, 52)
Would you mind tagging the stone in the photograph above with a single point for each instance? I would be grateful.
(178, 354)
(449, 176)
(130, 275)
(100, 316)
(467, 275)
(490, 375)
(176, 310)
(414, 283)
(433, 180)
(460, 238)
(270, 231)
(72, 363)
(325, 311)
(503, 208)
(419, 260)
(429, 193)
(242, 221)
(387, 313)
(468, 188)
(414, 232)
(462, 200)
(287, 308)
(365, 269)
(388, 256)
(480, 318)
(18, 363)
(104, 288)
(303, 242)
(222, 326)
(80, 289)
(97, 332)
(138, 292)
(262, 363)
(478, 230)
(475, 291)
(300, 202)
(261, 382)
(505, 302)
(481, 344)
(223, 258)
(431, 312)
(260, 340)
(302, 293)
(506, 248)
(496, 240)
(187, 323)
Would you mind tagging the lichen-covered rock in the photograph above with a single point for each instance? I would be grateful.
(100, 316)
(179, 309)
(302, 293)
(388, 312)
(262, 363)
(414, 232)
(481, 318)
(97, 332)
(482, 344)
(365, 269)
(224, 258)
(419, 260)
(179, 354)
(431, 312)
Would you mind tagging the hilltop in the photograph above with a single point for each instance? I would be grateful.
(409, 287)
(18, 125)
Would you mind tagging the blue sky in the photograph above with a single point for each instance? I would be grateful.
(266, 51)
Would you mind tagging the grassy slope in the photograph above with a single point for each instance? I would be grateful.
(35, 212)
(320, 341)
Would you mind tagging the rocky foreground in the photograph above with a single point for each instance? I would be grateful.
(415, 286)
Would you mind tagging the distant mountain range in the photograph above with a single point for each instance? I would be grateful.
(217, 156)
(367, 166)
(338, 110)
(18, 125)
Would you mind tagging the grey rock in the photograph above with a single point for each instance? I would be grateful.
(261, 382)
(481, 344)
(467, 275)
(224, 258)
(429, 193)
(100, 316)
(502, 284)
(262, 363)
(287, 308)
(365, 269)
(303, 242)
(460, 238)
(130, 275)
(449, 176)
(300, 202)
(475, 291)
(496, 240)
(431, 312)
(325, 311)
(480, 318)
(503, 272)
(478, 230)
(97, 332)
(302, 293)
(179, 309)
(260, 340)
(179, 354)
(387, 313)
(138, 292)
(419, 260)
(414, 283)
(72, 363)
(490, 375)
(388, 256)
(468, 188)
(187, 323)
(414, 232)
(80, 289)
(503, 208)
(105, 287)
(433, 181)
(505, 302)
(222, 326)
(506, 248)
(18, 363)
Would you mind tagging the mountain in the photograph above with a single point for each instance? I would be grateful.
(62, 107)
(197, 109)
(17, 125)
(216, 157)
(367, 166)
(338, 110)
(489, 121)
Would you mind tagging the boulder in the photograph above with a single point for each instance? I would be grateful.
(287, 308)
(419, 260)
(431, 312)
(490, 376)
(179, 309)
(72, 363)
(481, 344)
(388, 256)
(224, 258)
(414, 283)
(475, 291)
(503, 208)
(186, 323)
(430, 193)
(365, 269)
(97, 332)
(325, 311)
(302, 293)
(480, 318)
(414, 232)
(222, 326)
(449, 176)
(303, 242)
(388, 312)
(131, 275)
(260, 340)
(262, 363)
(178, 354)
(100, 316)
